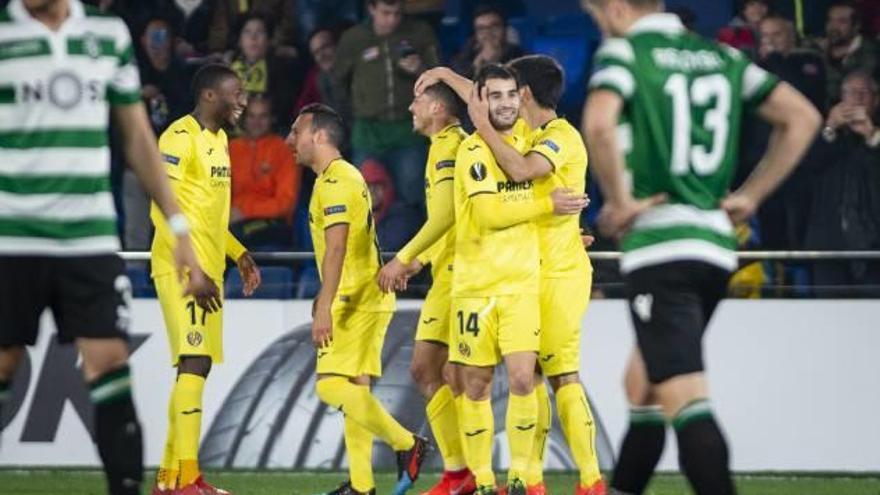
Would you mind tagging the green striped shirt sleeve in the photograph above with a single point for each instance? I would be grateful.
(125, 86)
(613, 63)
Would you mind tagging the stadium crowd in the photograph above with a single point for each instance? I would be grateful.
(362, 58)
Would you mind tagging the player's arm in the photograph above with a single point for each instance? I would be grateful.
(460, 84)
(519, 168)
(335, 239)
(493, 214)
(247, 267)
(143, 157)
(441, 218)
(795, 122)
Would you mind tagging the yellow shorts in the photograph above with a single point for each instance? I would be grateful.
(486, 328)
(357, 344)
(563, 304)
(434, 319)
(191, 330)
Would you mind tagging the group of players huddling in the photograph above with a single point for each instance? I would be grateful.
(511, 277)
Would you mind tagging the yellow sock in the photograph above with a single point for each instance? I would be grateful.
(359, 448)
(166, 478)
(521, 420)
(443, 417)
(459, 400)
(478, 427)
(535, 472)
(188, 424)
(357, 403)
(577, 425)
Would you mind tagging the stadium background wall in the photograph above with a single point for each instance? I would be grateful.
(794, 383)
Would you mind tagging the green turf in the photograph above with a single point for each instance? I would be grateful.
(77, 482)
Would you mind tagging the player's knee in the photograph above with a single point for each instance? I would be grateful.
(103, 358)
(477, 386)
(427, 377)
(194, 365)
(559, 381)
(451, 376)
(522, 380)
(10, 358)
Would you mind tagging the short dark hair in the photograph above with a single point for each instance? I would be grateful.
(544, 77)
(483, 9)
(855, 16)
(253, 16)
(326, 119)
(442, 92)
(209, 77)
(495, 71)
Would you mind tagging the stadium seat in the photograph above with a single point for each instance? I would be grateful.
(308, 284)
(571, 52)
(277, 283)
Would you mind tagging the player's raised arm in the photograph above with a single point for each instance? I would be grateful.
(143, 157)
(795, 122)
(335, 238)
(460, 84)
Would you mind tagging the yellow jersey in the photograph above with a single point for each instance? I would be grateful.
(441, 167)
(340, 195)
(559, 236)
(197, 161)
(491, 262)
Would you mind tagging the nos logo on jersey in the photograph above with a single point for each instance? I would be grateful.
(64, 89)
(478, 171)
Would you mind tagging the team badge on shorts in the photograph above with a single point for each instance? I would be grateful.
(464, 349)
(194, 338)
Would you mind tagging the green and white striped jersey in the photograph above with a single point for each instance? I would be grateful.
(684, 99)
(55, 91)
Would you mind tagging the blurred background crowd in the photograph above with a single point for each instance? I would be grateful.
(363, 56)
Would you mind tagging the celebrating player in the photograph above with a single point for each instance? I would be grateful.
(435, 114)
(495, 308)
(194, 149)
(682, 99)
(62, 65)
(555, 156)
(350, 313)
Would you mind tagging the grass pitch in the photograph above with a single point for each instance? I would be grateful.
(89, 482)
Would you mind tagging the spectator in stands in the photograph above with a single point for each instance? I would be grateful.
(846, 207)
(395, 223)
(319, 85)
(488, 45)
(166, 95)
(785, 214)
(844, 49)
(742, 31)
(227, 13)
(312, 14)
(261, 71)
(377, 64)
(193, 22)
(265, 182)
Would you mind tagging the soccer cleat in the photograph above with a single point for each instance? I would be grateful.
(162, 491)
(598, 488)
(454, 483)
(346, 489)
(200, 487)
(409, 464)
(516, 487)
(486, 490)
(538, 489)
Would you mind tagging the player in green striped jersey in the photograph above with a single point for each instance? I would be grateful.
(62, 67)
(666, 106)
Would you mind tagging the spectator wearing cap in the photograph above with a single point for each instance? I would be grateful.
(846, 208)
(265, 182)
(377, 64)
(742, 32)
(488, 45)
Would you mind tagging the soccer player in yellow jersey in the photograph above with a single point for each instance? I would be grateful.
(195, 152)
(350, 313)
(435, 114)
(555, 156)
(495, 307)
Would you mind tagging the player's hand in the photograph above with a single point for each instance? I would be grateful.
(188, 269)
(209, 300)
(250, 273)
(587, 239)
(390, 275)
(322, 326)
(616, 219)
(428, 78)
(739, 207)
(478, 108)
(565, 202)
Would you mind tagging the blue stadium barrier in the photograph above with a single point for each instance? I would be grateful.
(277, 283)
